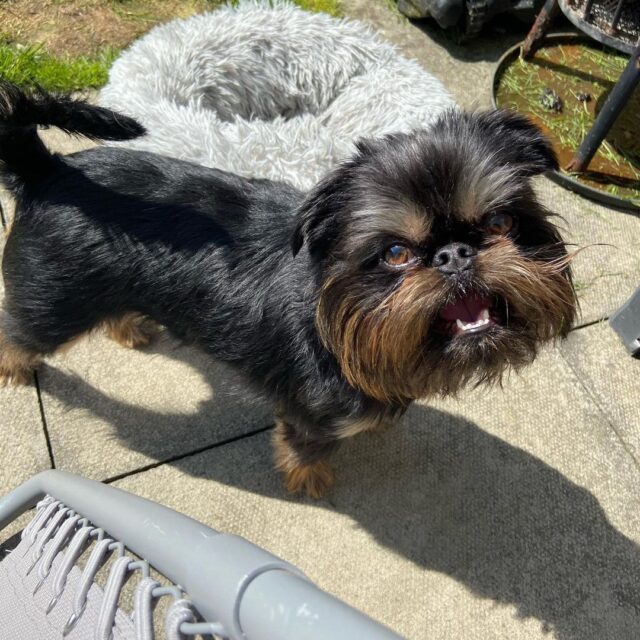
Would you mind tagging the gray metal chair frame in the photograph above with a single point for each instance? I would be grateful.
(626, 323)
(240, 589)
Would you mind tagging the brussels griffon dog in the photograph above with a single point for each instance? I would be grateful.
(422, 264)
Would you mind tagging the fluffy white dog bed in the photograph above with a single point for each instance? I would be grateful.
(265, 89)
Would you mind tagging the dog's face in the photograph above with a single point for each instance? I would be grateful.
(436, 265)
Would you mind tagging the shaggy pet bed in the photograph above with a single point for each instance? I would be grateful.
(268, 90)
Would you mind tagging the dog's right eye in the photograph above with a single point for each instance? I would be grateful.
(499, 223)
(398, 255)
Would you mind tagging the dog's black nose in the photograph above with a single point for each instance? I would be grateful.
(453, 258)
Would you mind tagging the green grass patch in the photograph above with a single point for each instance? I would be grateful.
(29, 65)
(332, 7)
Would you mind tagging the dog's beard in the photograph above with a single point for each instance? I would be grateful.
(396, 346)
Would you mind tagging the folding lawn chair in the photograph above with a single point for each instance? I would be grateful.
(626, 323)
(223, 585)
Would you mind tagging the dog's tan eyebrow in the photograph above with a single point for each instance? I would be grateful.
(403, 220)
(416, 225)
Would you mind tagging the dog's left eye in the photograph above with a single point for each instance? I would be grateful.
(398, 255)
(498, 223)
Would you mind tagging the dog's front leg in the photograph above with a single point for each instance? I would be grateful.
(302, 459)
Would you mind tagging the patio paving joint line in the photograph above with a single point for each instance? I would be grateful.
(43, 417)
(594, 398)
(182, 456)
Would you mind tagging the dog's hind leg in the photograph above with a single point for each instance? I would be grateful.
(17, 362)
(26, 342)
(131, 330)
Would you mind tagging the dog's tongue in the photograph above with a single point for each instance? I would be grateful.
(468, 308)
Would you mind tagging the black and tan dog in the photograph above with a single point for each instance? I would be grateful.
(421, 264)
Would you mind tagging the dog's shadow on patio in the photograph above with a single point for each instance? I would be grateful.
(438, 490)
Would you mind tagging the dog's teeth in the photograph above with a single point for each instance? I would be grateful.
(468, 326)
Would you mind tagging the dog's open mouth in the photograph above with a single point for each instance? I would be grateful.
(467, 315)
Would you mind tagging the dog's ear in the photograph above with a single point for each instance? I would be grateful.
(520, 140)
(317, 217)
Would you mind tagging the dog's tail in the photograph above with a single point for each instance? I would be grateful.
(23, 154)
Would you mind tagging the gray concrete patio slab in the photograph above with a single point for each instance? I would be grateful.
(61, 142)
(610, 376)
(110, 410)
(23, 446)
(506, 514)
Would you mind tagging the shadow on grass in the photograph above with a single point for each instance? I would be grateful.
(438, 490)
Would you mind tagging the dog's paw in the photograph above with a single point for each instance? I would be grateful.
(132, 330)
(17, 364)
(312, 479)
(16, 377)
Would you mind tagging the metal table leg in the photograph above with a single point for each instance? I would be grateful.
(539, 28)
(610, 111)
